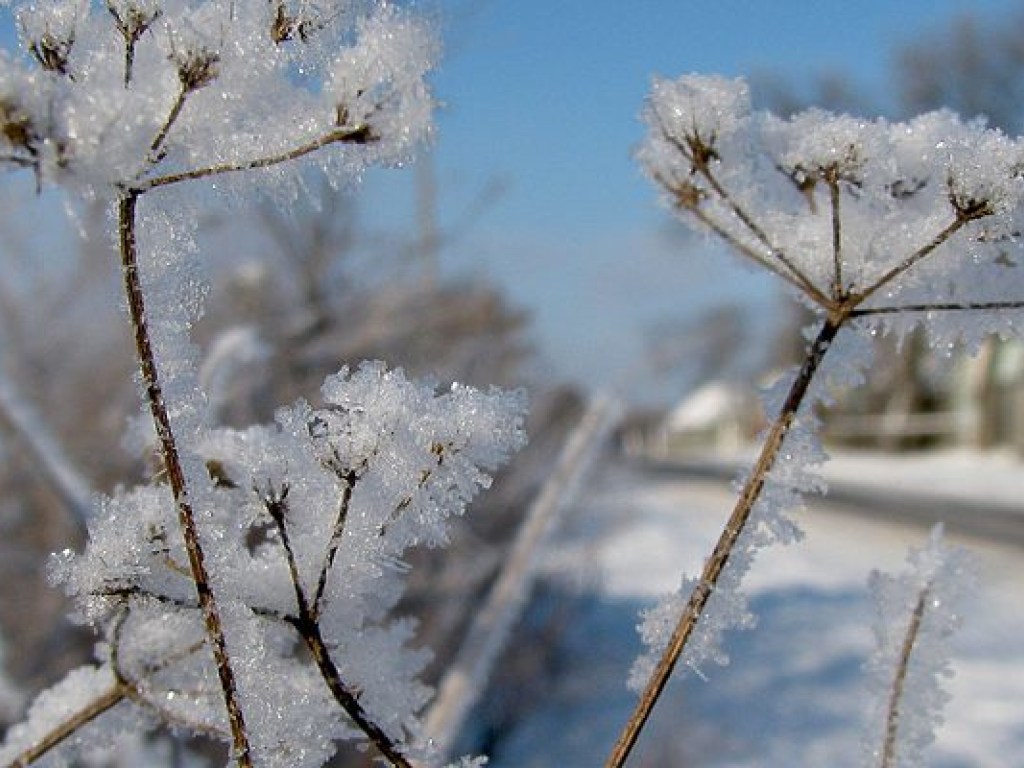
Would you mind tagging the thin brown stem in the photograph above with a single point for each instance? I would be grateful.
(745, 250)
(699, 154)
(981, 306)
(755, 229)
(132, 26)
(832, 179)
(362, 134)
(133, 691)
(309, 630)
(719, 558)
(276, 504)
(98, 706)
(900, 679)
(913, 259)
(349, 480)
(688, 198)
(158, 141)
(176, 475)
(121, 690)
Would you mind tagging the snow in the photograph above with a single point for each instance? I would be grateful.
(994, 477)
(707, 406)
(992, 480)
(796, 692)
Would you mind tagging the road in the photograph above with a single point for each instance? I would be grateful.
(794, 693)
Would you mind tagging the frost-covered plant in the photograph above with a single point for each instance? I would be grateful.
(918, 611)
(244, 593)
(877, 227)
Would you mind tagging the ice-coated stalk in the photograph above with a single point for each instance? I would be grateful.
(176, 476)
(715, 564)
(101, 704)
(892, 721)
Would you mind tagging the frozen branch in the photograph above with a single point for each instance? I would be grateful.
(362, 134)
(348, 479)
(832, 180)
(913, 260)
(176, 475)
(101, 704)
(980, 306)
(900, 679)
(720, 555)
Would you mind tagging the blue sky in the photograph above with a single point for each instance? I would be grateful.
(543, 97)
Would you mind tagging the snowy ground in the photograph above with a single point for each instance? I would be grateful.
(794, 694)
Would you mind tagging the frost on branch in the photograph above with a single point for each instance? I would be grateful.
(771, 522)
(876, 227)
(125, 92)
(900, 224)
(917, 613)
(307, 523)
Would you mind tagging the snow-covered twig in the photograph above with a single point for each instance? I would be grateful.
(918, 611)
(893, 257)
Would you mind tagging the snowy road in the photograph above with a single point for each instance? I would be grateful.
(794, 694)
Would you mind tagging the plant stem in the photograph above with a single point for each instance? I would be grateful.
(832, 179)
(309, 630)
(981, 306)
(899, 681)
(715, 564)
(158, 141)
(176, 475)
(349, 479)
(362, 134)
(921, 253)
(308, 627)
(755, 229)
(102, 703)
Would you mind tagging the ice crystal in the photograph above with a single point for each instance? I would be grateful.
(338, 491)
(876, 226)
(917, 613)
(905, 224)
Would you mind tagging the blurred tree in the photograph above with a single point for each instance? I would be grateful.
(66, 374)
(973, 65)
(696, 350)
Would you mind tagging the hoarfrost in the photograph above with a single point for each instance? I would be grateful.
(905, 224)
(338, 493)
(878, 227)
(917, 613)
(303, 525)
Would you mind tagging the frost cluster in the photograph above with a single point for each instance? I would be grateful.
(121, 92)
(304, 521)
(300, 529)
(771, 522)
(878, 227)
(899, 223)
(917, 613)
